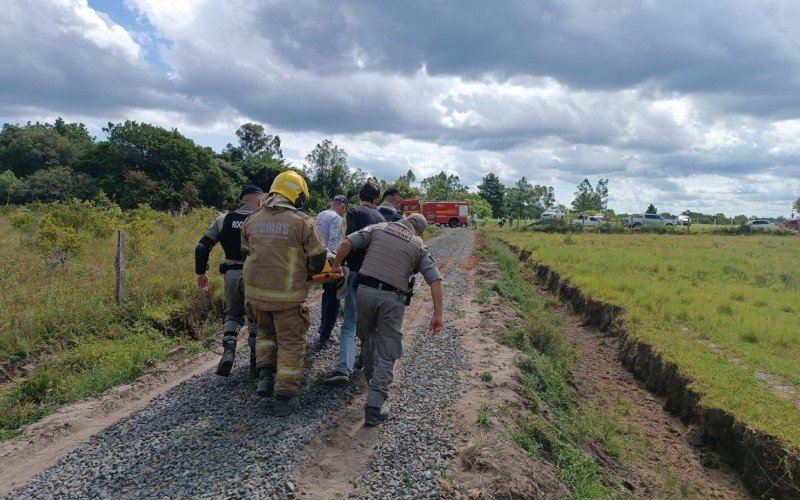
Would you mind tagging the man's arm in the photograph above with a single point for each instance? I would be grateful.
(341, 253)
(437, 321)
(202, 251)
(427, 266)
(354, 241)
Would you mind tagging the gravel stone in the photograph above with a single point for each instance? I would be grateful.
(213, 437)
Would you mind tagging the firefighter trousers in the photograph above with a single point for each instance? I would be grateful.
(281, 345)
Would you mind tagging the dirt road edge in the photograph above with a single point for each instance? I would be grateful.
(45, 442)
(767, 468)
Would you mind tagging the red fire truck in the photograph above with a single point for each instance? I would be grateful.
(411, 206)
(442, 213)
(450, 213)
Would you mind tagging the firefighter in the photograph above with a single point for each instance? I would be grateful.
(282, 250)
(226, 230)
(394, 253)
(388, 208)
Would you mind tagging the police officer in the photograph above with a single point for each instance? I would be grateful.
(282, 250)
(226, 230)
(388, 208)
(394, 253)
(362, 215)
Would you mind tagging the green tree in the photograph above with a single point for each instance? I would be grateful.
(253, 140)
(479, 205)
(405, 184)
(651, 209)
(327, 169)
(164, 156)
(26, 149)
(261, 169)
(591, 199)
(796, 207)
(525, 200)
(10, 187)
(441, 187)
(58, 183)
(493, 191)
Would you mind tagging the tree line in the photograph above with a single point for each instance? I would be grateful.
(140, 163)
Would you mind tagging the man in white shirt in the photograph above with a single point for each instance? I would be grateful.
(329, 225)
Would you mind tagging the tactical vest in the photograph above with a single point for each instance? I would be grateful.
(230, 236)
(393, 254)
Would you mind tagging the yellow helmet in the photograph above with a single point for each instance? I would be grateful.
(291, 185)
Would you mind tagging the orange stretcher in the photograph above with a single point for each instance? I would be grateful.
(326, 276)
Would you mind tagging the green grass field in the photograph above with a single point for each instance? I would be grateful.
(725, 309)
(60, 317)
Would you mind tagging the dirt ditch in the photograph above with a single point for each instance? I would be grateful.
(765, 466)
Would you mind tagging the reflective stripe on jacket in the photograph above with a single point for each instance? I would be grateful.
(280, 240)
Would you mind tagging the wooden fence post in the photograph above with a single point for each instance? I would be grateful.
(119, 266)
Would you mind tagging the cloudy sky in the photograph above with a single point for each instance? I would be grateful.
(684, 104)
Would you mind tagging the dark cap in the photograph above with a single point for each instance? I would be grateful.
(250, 190)
(340, 198)
(390, 192)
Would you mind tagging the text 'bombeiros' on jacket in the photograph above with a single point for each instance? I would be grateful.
(283, 250)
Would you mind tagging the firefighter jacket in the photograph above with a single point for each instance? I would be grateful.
(283, 248)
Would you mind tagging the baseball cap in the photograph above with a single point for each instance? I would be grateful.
(340, 198)
(390, 192)
(418, 220)
(250, 190)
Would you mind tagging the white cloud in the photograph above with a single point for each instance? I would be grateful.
(662, 98)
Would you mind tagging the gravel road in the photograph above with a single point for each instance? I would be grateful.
(213, 437)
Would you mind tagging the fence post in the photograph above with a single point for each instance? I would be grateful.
(119, 266)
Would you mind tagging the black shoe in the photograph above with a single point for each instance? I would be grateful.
(324, 342)
(228, 355)
(336, 377)
(266, 384)
(285, 405)
(374, 415)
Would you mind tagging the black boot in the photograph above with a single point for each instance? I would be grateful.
(266, 384)
(285, 405)
(251, 343)
(228, 355)
(374, 415)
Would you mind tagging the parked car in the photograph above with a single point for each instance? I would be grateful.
(683, 220)
(589, 220)
(759, 224)
(552, 213)
(648, 220)
(792, 224)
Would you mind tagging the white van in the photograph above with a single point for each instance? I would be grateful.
(552, 213)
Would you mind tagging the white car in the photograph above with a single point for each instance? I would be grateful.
(552, 213)
(683, 220)
(759, 224)
(590, 220)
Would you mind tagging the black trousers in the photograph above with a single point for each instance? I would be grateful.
(330, 310)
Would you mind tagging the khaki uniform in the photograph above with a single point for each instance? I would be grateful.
(281, 242)
(394, 254)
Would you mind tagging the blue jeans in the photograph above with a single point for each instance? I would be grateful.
(347, 340)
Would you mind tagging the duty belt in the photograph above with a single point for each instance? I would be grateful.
(376, 283)
(224, 268)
